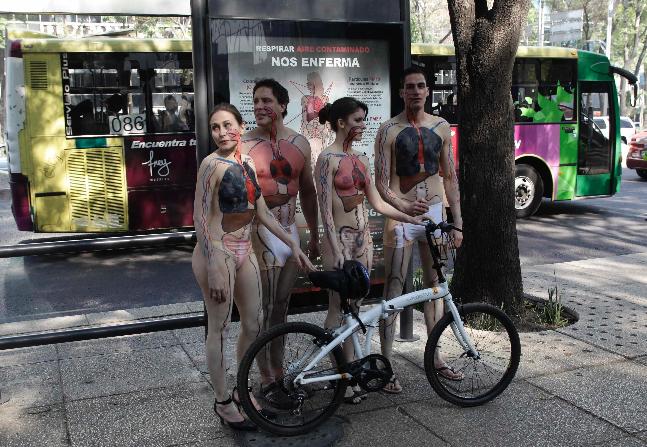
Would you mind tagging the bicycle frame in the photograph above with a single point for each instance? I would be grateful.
(369, 318)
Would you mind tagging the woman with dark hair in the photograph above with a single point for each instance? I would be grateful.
(343, 180)
(227, 200)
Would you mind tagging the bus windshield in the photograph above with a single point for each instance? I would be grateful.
(118, 93)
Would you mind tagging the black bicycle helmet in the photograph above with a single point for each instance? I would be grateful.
(356, 279)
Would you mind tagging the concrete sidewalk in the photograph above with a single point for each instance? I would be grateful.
(585, 384)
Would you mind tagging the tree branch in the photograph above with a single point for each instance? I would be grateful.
(462, 18)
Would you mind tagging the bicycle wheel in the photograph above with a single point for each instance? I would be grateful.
(497, 341)
(298, 409)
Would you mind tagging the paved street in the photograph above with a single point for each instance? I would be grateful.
(45, 286)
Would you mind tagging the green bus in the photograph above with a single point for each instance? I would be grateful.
(560, 152)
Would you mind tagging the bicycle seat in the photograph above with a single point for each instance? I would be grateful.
(332, 280)
(352, 281)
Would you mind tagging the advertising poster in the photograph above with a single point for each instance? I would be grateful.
(155, 160)
(314, 71)
(317, 71)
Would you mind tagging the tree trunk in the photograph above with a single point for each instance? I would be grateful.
(486, 42)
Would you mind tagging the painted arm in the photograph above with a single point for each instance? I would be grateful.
(324, 174)
(450, 182)
(266, 218)
(383, 207)
(308, 199)
(202, 213)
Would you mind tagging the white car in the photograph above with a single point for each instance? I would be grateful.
(627, 129)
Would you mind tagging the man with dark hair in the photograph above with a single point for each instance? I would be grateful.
(283, 168)
(278, 91)
(411, 151)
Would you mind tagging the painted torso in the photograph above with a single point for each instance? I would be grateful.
(233, 201)
(415, 158)
(350, 178)
(278, 169)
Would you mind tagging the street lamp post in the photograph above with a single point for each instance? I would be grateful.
(607, 49)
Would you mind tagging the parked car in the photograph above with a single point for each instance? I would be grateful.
(627, 128)
(637, 155)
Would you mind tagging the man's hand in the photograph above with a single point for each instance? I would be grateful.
(458, 238)
(338, 262)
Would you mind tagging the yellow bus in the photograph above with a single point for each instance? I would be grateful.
(100, 133)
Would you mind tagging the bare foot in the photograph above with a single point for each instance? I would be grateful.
(393, 386)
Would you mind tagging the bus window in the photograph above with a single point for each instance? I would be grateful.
(543, 90)
(128, 93)
(594, 154)
(441, 76)
(173, 93)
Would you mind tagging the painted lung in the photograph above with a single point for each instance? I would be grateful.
(410, 153)
(238, 190)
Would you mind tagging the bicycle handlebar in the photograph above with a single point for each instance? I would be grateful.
(443, 226)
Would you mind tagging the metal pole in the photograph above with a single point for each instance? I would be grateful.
(97, 244)
(406, 316)
(607, 44)
(540, 34)
(140, 327)
(199, 30)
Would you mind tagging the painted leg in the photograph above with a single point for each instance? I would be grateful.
(219, 315)
(434, 310)
(286, 279)
(396, 264)
(247, 296)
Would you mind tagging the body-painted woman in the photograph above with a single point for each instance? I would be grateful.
(227, 200)
(343, 181)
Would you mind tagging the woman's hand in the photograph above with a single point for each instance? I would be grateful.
(416, 220)
(338, 262)
(302, 260)
(416, 208)
(218, 283)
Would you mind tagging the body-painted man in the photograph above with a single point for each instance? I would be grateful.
(283, 167)
(411, 150)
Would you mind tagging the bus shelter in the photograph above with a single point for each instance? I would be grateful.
(319, 52)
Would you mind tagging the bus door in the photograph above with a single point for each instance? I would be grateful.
(596, 151)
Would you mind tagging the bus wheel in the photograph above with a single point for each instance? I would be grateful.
(642, 173)
(528, 190)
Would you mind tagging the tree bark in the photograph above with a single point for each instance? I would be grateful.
(486, 42)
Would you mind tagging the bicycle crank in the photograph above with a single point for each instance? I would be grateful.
(372, 372)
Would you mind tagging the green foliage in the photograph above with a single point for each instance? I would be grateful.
(484, 322)
(3, 27)
(553, 312)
